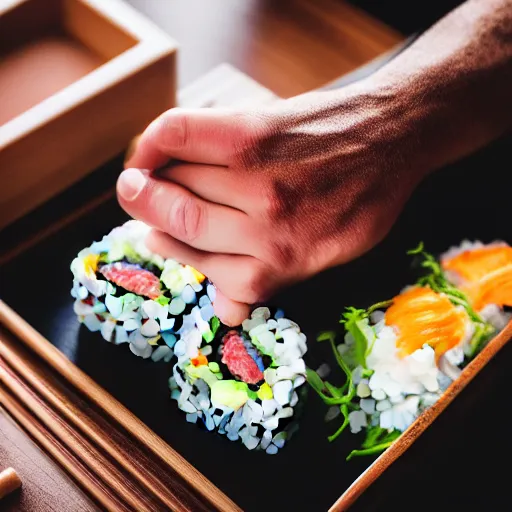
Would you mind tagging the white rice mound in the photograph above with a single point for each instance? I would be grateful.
(400, 388)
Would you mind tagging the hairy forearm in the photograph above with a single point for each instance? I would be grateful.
(455, 83)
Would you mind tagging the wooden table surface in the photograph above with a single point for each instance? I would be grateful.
(45, 486)
(289, 46)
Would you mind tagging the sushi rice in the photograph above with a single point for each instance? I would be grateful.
(247, 383)
(164, 311)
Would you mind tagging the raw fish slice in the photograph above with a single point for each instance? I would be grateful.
(238, 360)
(132, 278)
(486, 274)
(422, 316)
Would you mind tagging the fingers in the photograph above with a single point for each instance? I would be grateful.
(243, 279)
(168, 247)
(173, 209)
(230, 312)
(209, 136)
(214, 183)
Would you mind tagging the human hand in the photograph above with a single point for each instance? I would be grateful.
(259, 199)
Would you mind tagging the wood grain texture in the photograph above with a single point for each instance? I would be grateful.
(46, 487)
(122, 463)
(288, 46)
(83, 439)
(70, 133)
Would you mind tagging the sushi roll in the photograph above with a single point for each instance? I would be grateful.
(131, 295)
(484, 274)
(247, 384)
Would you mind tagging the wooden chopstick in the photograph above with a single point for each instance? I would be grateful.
(91, 456)
(103, 437)
(62, 455)
(9, 482)
(136, 475)
(195, 492)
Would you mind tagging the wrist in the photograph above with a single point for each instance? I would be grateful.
(456, 81)
(399, 126)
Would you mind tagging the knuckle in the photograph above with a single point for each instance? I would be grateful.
(253, 128)
(186, 218)
(269, 203)
(175, 129)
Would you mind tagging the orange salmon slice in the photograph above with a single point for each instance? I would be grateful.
(486, 274)
(420, 315)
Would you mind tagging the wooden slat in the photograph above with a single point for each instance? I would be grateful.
(44, 232)
(94, 459)
(92, 425)
(44, 147)
(59, 452)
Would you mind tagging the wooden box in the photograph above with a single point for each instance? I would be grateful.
(78, 79)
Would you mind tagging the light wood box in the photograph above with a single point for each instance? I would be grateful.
(78, 80)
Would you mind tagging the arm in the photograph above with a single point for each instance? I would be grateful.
(457, 79)
(263, 198)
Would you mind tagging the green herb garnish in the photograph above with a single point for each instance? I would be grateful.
(215, 325)
(163, 300)
(377, 440)
(356, 322)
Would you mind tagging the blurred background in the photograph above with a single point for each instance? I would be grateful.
(289, 46)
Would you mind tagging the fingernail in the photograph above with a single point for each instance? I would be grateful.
(130, 184)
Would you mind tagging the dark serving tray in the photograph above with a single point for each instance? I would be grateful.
(468, 200)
